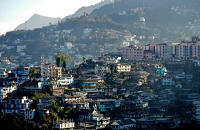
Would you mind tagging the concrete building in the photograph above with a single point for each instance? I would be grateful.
(4, 90)
(98, 120)
(187, 50)
(168, 82)
(123, 68)
(64, 81)
(101, 70)
(64, 124)
(28, 113)
(107, 104)
(3, 73)
(131, 52)
(15, 105)
(50, 71)
(148, 55)
(163, 50)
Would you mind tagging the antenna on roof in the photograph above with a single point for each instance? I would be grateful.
(42, 58)
(102, 50)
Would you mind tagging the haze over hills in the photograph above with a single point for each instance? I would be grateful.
(88, 9)
(121, 5)
(37, 21)
(165, 21)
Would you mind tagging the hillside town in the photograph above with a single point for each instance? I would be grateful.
(151, 87)
(115, 65)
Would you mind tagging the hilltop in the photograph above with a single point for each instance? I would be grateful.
(37, 21)
(88, 9)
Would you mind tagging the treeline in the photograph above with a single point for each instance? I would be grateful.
(16, 122)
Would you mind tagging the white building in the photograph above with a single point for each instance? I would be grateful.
(3, 73)
(28, 113)
(15, 105)
(123, 68)
(63, 81)
(4, 90)
(50, 71)
(64, 124)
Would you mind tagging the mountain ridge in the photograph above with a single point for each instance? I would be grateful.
(39, 21)
(33, 22)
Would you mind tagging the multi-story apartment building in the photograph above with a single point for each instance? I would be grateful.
(150, 47)
(135, 109)
(187, 50)
(16, 105)
(131, 52)
(148, 54)
(163, 50)
(101, 70)
(50, 71)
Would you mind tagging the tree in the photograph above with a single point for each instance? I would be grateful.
(16, 122)
(62, 59)
(84, 59)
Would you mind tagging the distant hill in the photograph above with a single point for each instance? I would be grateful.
(121, 5)
(88, 9)
(37, 21)
(162, 12)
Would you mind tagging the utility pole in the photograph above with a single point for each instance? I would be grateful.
(113, 6)
(25, 25)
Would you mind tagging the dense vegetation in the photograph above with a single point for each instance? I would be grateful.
(16, 122)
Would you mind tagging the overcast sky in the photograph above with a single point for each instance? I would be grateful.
(15, 12)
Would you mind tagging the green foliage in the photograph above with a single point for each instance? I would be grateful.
(68, 112)
(16, 122)
(84, 59)
(49, 90)
(62, 59)
(35, 72)
(39, 95)
(109, 79)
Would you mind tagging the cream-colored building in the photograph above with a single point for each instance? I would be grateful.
(187, 50)
(131, 52)
(64, 124)
(123, 68)
(50, 71)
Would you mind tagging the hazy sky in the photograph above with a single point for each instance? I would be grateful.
(15, 12)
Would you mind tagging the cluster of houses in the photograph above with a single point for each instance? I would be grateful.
(161, 51)
(95, 96)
